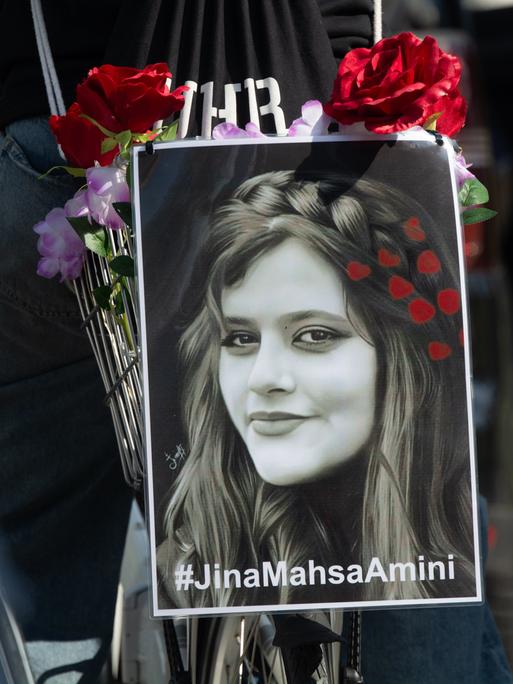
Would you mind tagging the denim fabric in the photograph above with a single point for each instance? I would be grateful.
(457, 645)
(433, 646)
(64, 505)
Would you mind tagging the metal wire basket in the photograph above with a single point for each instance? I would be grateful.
(114, 339)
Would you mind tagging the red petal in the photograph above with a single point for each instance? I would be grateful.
(453, 117)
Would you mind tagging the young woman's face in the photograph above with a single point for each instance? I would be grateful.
(297, 380)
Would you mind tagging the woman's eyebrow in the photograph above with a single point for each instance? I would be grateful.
(237, 320)
(296, 316)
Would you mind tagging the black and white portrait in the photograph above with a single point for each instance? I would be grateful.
(306, 379)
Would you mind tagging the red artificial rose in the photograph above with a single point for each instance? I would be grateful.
(80, 140)
(398, 83)
(123, 98)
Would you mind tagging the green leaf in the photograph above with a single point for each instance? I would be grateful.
(123, 265)
(473, 192)
(430, 123)
(75, 171)
(124, 211)
(102, 296)
(124, 139)
(144, 137)
(81, 225)
(105, 131)
(168, 133)
(478, 215)
(108, 144)
(98, 242)
(119, 306)
(93, 235)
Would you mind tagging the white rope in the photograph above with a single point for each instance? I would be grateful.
(53, 88)
(378, 21)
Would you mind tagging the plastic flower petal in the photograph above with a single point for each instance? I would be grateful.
(124, 98)
(313, 120)
(253, 131)
(72, 268)
(59, 246)
(47, 267)
(399, 82)
(105, 186)
(229, 130)
(77, 205)
(461, 169)
(81, 140)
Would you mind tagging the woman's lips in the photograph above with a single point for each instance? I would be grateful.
(275, 423)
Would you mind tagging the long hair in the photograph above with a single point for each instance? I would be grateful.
(415, 489)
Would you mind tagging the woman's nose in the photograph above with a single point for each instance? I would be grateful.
(272, 370)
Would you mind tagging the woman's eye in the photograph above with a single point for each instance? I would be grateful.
(239, 340)
(318, 338)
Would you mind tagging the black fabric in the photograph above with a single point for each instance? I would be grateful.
(295, 42)
(78, 31)
(299, 640)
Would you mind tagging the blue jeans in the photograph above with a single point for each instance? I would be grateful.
(64, 504)
(457, 645)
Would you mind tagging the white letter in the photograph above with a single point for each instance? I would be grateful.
(209, 112)
(277, 577)
(229, 113)
(297, 577)
(185, 114)
(251, 578)
(422, 569)
(402, 567)
(451, 566)
(228, 574)
(206, 582)
(336, 574)
(217, 576)
(249, 84)
(376, 570)
(431, 570)
(312, 569)
(273, 105)
(355, 574)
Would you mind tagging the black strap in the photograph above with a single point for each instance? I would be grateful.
(352, 673)
(178, 672)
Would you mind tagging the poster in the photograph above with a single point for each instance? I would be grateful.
(306, 375)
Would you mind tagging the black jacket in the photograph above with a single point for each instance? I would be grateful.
(284, 49)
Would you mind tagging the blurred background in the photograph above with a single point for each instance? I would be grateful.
(480, 32)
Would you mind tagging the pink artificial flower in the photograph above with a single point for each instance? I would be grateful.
(229, 130)
(461, 169)
(106, 185)
(60, 247)
(313, 120)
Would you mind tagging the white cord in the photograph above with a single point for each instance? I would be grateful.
(378, 21)
(53, 88)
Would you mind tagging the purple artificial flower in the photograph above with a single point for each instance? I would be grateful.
(106, 185)
(313, 120)
(60, 247)
(77, 206)
(230, 130)
(461, 169)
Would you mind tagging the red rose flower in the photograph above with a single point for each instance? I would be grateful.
(80, 140)
(123, 98)
(398, 83)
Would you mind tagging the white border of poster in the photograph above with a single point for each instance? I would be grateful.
(238, 348)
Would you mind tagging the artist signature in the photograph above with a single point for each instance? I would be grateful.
(173, 461)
